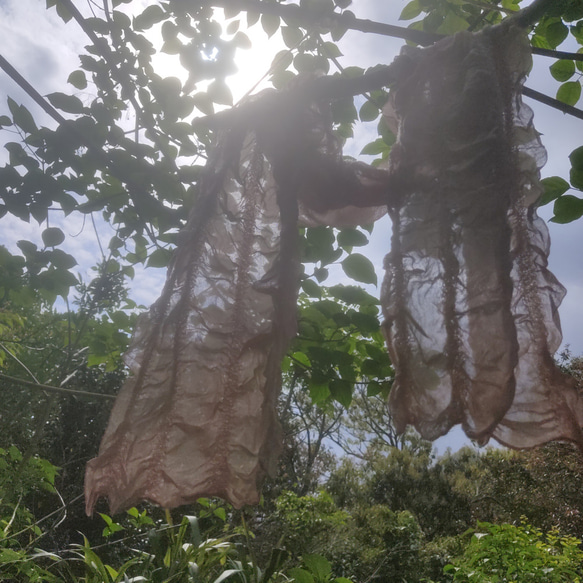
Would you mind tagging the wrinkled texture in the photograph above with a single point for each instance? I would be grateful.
(470, 307)
(197, 417)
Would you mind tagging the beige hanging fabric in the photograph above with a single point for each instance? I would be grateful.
(197, 417)
(470, 307)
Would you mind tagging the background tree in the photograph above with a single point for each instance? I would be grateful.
(126, 145)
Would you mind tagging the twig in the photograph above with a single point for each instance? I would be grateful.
(311, 18)
(568, 109)
(53, 389)
(6, 349)
(30, 90)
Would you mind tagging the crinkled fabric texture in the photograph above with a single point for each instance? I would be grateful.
(470, 307)
(197, 417)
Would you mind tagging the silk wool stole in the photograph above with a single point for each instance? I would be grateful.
(470, 307)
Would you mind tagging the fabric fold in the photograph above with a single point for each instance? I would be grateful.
(470, 307)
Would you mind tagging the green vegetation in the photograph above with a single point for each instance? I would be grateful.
(352, 501)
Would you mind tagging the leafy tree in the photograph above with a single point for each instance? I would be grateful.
(129, 151)
(518, 553)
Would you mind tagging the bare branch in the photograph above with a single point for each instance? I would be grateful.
(52, 389)
(555, 103)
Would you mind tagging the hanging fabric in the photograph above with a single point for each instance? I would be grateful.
(470, 307)
(197, 416)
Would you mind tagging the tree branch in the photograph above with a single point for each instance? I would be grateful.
(557, 54)
(30, 90)
(310, 18)
(568, 109)
(52, 389)
(531, 14)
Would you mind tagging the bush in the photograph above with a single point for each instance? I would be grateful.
(521, 554)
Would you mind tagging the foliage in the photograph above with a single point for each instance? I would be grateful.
(21, 481)
(307, 524)
(380, 544)
(129, 152)
(518, 553)
(158, 553)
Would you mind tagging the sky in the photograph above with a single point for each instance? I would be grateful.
(45, 51)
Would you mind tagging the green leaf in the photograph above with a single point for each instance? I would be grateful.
(233, 27)
(374, 148)
(319, 392)
(351, 238)
(218, 91)
(540, 42)
(576, 158)
(341, 391)
(343, 111)
(201, 101)
(21, 116)
(5, 120)
(368, 112)
(359, 268)
(352, 294)
(554, 187)
(302, 359)
(576, 177)
(567, 208)
(411, 10)
(452, 23)
(511, 5)
(282, 60)
(252, 18)
(569, 92)
(330, 50)
(62, 260)
(300, 575)
(78, 79)
(312, 288)
(68, 103)
(281, 79)
(292, 36)
(304, 63)
(52, 236)
(220, 513)
(366, 323)
(150, 16)
(159, 258)
(270, 23)
(556, 33)
(563, 70)
(321, 274)
(318, 565)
